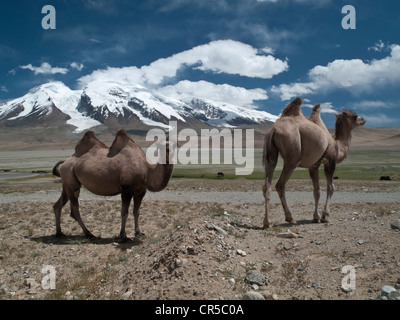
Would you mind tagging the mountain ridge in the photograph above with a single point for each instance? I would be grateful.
(112, 104)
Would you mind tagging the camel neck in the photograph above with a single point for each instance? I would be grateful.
(159, 176)
(343, 140)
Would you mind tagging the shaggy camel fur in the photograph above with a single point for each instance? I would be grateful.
(120, 169)
(306, 143)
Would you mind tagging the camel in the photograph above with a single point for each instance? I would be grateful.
(120, 169)
(306, 143)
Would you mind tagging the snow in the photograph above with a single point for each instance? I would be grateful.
(115, 97)
(112, 97)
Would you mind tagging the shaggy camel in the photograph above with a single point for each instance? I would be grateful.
(120, 169)
(306, 143)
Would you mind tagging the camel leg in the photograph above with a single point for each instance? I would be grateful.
(73, 197)
(57, 207)
(329, 170)
(280, 188)
(269, 172)
(126, 196)
(137, 199)
(314, 174)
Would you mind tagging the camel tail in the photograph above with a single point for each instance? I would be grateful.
(56, 172)
(270, 153)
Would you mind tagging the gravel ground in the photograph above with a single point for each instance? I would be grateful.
(200, 244)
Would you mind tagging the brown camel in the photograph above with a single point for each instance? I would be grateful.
(306, 143)
(120, 169)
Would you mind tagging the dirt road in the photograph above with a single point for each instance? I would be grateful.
(231, 197)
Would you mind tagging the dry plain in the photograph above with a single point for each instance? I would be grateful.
(203, 235)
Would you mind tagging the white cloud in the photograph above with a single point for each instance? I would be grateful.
(3, 89)
(77, 66)
(45, 68)
(222, 56)
(326, 107)
(372, 104)
(288, 91)
(379, 46)
(217, 92)
(353, 75)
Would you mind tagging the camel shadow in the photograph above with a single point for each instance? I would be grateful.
(82, 240)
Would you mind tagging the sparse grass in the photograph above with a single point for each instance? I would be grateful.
(359, 165)
(35, 254)
(384, 212)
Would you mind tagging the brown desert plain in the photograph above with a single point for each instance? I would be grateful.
(203, 234)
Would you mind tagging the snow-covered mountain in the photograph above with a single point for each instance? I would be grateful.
(114, 104)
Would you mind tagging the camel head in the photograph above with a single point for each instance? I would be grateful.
(348, 119)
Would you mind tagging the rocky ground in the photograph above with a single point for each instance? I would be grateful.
(200, 250)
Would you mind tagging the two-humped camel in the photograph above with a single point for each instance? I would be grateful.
(306, 143)
(120, 169)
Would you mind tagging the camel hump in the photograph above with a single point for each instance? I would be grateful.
(317, 108)
(88, 142)
(293, 108)
(316, 113)
(121, 141)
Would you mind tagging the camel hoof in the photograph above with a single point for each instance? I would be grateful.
(60, 235)
(90, 236)
(140, 235)
(292, 221)
(315, 221)
(324, 220)
(123, 240)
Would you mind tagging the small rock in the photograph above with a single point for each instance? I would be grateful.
(192, 251)
(253, 295)
(288, 234)
(220, 230)
(255, 278)
(127, 295)
(360, 242)
(395, 224)
(347, 289)
(211, 226)
(231, 281)
(386, 290)
(178, 263)
(255, 287)
(315, 285)
(241, 252)
(394, 295)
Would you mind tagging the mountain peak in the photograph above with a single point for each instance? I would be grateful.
(114, 104)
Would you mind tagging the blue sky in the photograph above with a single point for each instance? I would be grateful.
(255, 53)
